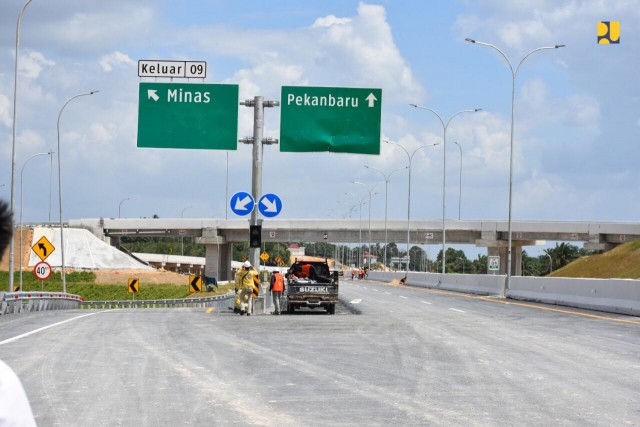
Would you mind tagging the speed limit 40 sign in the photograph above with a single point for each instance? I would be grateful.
(42, 270)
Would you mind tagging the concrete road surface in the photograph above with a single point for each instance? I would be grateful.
(413, 357)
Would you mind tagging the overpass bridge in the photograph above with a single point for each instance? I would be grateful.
(218, 234)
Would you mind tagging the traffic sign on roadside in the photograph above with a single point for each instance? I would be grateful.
(188, 115)
(162, 68)
(340, 120)
(43, 248)
(42, 270)
(195, 283)
(133, 285)
(242, 203)
(494, 263)
(264, 256)
(270, 205)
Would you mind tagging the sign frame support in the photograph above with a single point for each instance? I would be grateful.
(258, 103)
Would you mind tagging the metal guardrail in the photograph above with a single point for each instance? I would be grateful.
(216, 301)
(18, 302)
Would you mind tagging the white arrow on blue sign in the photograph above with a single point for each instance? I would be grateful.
(270, 205)
(242, 203)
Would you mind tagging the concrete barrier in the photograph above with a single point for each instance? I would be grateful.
(608, 295)
(469, 283)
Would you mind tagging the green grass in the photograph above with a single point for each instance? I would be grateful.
(622, 262)
(83, 283)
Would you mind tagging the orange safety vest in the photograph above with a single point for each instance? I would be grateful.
(306, 270)
(278, 283)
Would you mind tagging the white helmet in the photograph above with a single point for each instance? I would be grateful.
(246, 264)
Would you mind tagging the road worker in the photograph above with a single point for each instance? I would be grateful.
(277, 288)
(238, 288)
(249, 276)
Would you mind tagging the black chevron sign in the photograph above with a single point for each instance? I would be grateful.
(134, 286)
(195, 283)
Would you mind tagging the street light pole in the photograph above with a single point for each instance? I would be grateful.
(64, 279)
(410, 158)
(387, 177)
(514, 73)
(460, 191)
(360, 210)
(444, 169)
(13, 146)
(120, 205)
(182, 238)
(21, 176)
(369, 190)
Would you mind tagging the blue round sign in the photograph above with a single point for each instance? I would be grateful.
(242, 203)
(270, 205)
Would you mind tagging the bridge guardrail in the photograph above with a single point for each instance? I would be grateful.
(18, 302)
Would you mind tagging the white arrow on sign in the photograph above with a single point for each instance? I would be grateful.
(241, 205)
(151, 93)
(271, 205)
(372, 99)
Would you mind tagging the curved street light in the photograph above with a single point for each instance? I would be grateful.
(387, 177)
(514, 73)
(410, 158)
(444, 168)
(120, 205)
(13, 146)
(49, 153)
(64, 279)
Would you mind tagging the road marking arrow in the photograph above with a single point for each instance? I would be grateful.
(151, 93)
(372, 99)
(241, 205)
(271, 205)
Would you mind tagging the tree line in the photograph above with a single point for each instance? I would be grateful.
(354, 256)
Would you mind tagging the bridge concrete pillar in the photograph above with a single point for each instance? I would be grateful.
(218, 261)
(499, 248)
(218, 254)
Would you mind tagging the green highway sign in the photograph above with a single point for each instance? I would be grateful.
(340, 120)
(188, 115)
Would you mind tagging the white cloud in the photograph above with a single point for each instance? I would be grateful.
(330, 20)
(107, 62)
(32, 63)
(354, 51)
(5, 111)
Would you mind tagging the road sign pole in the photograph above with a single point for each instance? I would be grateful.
(256, 172)
(258, 105)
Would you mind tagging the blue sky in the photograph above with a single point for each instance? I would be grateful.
(577, 115)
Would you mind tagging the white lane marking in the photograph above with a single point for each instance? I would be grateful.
(375, 290)
(355, 301)
(388, 293)
(459, 311)
(425, 302)
(402, 296)
(16, 338)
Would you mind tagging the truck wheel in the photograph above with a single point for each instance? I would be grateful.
(331, 309)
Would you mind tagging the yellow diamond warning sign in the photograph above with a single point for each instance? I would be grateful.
(43, 248)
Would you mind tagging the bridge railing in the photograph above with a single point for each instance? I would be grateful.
(18, 302)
